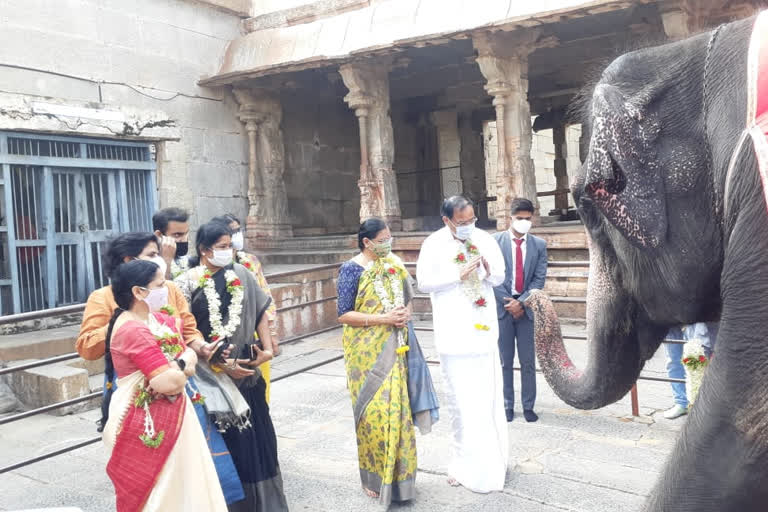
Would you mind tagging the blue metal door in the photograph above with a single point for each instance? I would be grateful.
(62, 200)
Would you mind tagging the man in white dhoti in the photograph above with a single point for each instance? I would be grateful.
(459, 266)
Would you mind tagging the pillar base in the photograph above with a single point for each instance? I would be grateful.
(260, 234)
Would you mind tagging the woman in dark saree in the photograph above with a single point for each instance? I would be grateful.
(230, 308)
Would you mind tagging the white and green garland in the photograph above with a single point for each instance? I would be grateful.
(385, 270)
(219, 331)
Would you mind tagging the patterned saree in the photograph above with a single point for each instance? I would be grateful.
(377, 378)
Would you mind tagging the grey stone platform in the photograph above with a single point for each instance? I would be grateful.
(570, 460)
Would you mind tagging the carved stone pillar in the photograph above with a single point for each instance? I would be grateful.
(368, 84)
(503, 61)
(561, 166)
(267, 199)
(471, 156)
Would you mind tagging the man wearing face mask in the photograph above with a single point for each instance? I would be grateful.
(525, 258)
(459, 266)
(171, 227)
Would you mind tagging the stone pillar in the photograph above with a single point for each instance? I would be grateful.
(503, 61)
(368, 84)
(448, 150)
(561, 165)
(267, 217)
(472, 160)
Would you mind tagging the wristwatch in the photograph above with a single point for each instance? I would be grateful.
(182, 364)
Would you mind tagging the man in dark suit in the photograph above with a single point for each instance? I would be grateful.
(525, 258)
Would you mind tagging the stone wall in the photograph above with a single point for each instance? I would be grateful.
(416, 163)
(142, 58)
(322, 164)
(543, 154)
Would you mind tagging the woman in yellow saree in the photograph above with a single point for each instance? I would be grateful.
(373, 304)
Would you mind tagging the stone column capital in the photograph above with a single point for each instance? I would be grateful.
(517, 44)
(258, 105)
(368, 82)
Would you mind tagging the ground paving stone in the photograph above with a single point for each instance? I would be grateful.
(568, 461)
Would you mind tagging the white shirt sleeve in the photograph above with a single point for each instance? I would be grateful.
(432, 276)
(492, 253)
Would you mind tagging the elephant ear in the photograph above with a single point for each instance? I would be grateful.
(622, 175)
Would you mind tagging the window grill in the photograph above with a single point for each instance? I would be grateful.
(61, 200)
(43, 147)
(113, 152)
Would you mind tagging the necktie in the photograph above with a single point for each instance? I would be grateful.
(519, 265)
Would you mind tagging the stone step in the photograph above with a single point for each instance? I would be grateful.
(38, 344)
(50, 384)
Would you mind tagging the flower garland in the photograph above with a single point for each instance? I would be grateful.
(170, 345)
(472, 286)
(179, 268)
(244, 260)
(695, 362)
(235, 287)
(384, 269)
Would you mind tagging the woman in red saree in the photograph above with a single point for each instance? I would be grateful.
(159, 457)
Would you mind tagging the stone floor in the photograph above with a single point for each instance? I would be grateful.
(570, 460)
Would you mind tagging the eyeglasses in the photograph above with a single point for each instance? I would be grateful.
(465, 223)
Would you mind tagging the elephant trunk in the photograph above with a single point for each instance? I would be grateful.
(614, 360)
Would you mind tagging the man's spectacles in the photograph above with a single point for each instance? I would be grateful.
(465, 223)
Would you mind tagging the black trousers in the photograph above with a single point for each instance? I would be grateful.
(518, 333)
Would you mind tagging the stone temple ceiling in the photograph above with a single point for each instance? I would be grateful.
(445, 74)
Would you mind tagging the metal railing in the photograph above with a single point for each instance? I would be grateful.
(35, 315)
(97, 394)
(635, 403)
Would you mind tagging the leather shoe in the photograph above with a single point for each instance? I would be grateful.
(530, 416)
(510, 414)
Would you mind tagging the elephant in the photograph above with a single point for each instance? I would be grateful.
(674, 238)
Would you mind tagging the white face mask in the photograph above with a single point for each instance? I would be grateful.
(465, 232)
(221, 257)
(159, 261)
(238, 241)
(522, 226)
(157, 298)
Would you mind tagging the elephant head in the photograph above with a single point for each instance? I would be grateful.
(645, 195)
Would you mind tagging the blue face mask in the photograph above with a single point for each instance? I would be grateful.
(465, 232)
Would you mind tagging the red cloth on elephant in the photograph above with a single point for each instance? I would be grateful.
(757, 98)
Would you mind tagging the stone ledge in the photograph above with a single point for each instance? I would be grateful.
(302, 14)
(38, 345)
(46, 385)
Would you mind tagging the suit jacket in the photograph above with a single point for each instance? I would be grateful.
(534, 270)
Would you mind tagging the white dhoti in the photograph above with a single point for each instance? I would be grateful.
(475, 404)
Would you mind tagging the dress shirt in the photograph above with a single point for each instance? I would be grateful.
(513, 246)
(454, 316)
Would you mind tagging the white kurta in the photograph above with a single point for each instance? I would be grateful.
(453, 313)
(469, 358)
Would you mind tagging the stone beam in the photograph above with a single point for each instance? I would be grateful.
(262, 114)
(368, 85)
(503, 61)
